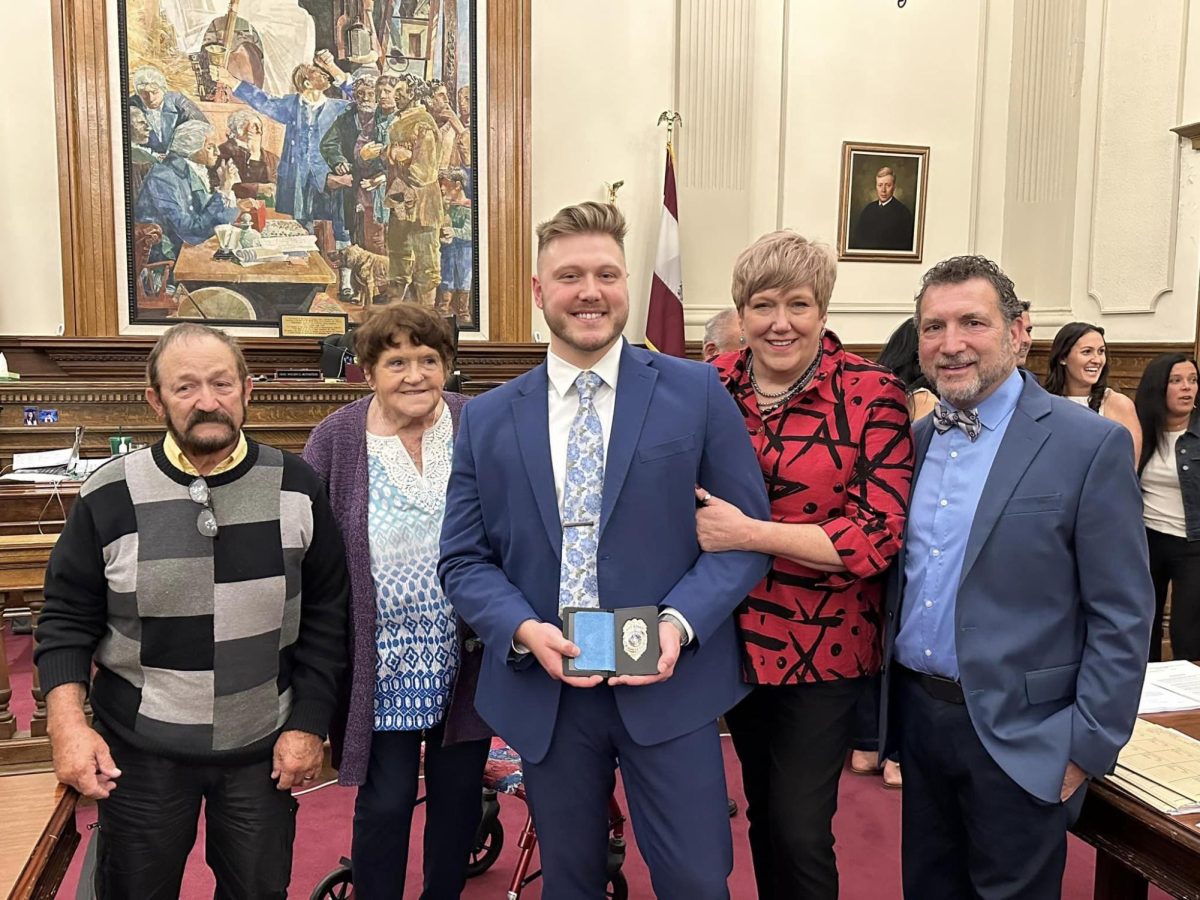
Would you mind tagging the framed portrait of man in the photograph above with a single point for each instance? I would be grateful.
(882, 211)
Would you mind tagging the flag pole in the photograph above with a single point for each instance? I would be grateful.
(672, 119)
(664, 314)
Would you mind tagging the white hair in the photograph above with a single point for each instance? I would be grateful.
(719, 329)
(239, 120)
(149, 76)
(189, 137)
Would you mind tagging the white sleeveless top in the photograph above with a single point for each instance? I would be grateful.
(1083, 401)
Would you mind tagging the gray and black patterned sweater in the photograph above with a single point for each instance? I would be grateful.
(205, 648)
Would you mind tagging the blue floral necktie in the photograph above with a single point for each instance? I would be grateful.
(583, 487)
(946, 417)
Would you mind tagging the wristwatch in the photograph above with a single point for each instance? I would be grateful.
(678, 623)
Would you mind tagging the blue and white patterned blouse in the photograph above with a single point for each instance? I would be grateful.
(415, 630)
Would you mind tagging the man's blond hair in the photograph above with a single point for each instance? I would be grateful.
(783, 260)
(583, 218)
(884, 172)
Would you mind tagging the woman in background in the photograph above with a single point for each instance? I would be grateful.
(900, 355)
(1169, 467)
(386, 461)
(1078, 370)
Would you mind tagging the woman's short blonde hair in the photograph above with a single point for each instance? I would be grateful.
(782, 260)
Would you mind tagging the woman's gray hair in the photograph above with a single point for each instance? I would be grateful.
(149, 76)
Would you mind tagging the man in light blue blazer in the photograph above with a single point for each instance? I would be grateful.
(1018, 614)
(577, 484)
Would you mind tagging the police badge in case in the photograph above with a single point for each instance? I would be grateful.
(612, 642)
(633, 638)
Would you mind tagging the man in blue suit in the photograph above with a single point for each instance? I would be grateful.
(577, 482)
(1018, 615)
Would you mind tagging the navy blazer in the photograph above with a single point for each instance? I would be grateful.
(674, 426)
(1052, 619)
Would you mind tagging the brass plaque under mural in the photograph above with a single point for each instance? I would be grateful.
(317, 325)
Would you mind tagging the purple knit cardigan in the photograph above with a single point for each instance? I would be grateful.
(337, 449)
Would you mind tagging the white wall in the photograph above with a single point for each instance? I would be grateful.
(31, 286)
(769, 89)
(602, 74)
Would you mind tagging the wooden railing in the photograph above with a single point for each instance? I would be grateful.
(23, 561)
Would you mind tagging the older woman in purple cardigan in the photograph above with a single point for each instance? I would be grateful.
(386, 461)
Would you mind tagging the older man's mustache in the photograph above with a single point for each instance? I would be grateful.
(202, 417)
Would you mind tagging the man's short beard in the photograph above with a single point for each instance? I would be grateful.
(966, 396)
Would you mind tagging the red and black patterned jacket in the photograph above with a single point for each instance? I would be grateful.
(839, 455)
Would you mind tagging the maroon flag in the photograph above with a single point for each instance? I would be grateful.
(664, 317)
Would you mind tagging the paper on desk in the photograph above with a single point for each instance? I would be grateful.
(1170, 687)
(1161, 767)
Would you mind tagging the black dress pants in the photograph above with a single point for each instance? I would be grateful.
(384, 807)
(148, 827)
(969, 832)
(792, 741)
(1175, 562)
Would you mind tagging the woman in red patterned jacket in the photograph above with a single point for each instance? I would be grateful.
(832, 434)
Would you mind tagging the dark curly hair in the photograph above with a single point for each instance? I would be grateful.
(958, 269)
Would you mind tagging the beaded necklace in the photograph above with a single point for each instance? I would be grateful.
(788, 393)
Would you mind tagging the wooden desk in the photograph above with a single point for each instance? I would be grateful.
(35, 508)
(37, 835)
(280, 414)
(1136, 845)
(271, 287)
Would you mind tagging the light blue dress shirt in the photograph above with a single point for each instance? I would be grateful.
(943, 505)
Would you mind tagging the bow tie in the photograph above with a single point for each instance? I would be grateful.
(947, 417)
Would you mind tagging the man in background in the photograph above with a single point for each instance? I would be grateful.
(722, 334)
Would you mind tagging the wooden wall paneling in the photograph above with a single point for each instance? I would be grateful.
(509, 193)
(86, 190)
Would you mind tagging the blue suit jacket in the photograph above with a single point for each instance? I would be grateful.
(175, 109)
(1052, 618)
(674, 426)
(170, 198)
(300, 184)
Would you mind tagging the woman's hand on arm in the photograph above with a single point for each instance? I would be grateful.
(722, 526)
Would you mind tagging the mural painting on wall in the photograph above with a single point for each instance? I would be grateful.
(294, 156)
(882, 208)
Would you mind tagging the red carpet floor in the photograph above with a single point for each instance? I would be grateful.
(867, 827)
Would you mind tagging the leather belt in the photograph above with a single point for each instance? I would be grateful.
(938, 688)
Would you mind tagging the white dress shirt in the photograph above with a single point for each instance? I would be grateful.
(563, 400)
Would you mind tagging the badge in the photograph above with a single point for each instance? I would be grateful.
(633, 638)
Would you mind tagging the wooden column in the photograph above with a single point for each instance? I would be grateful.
(510, 225)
